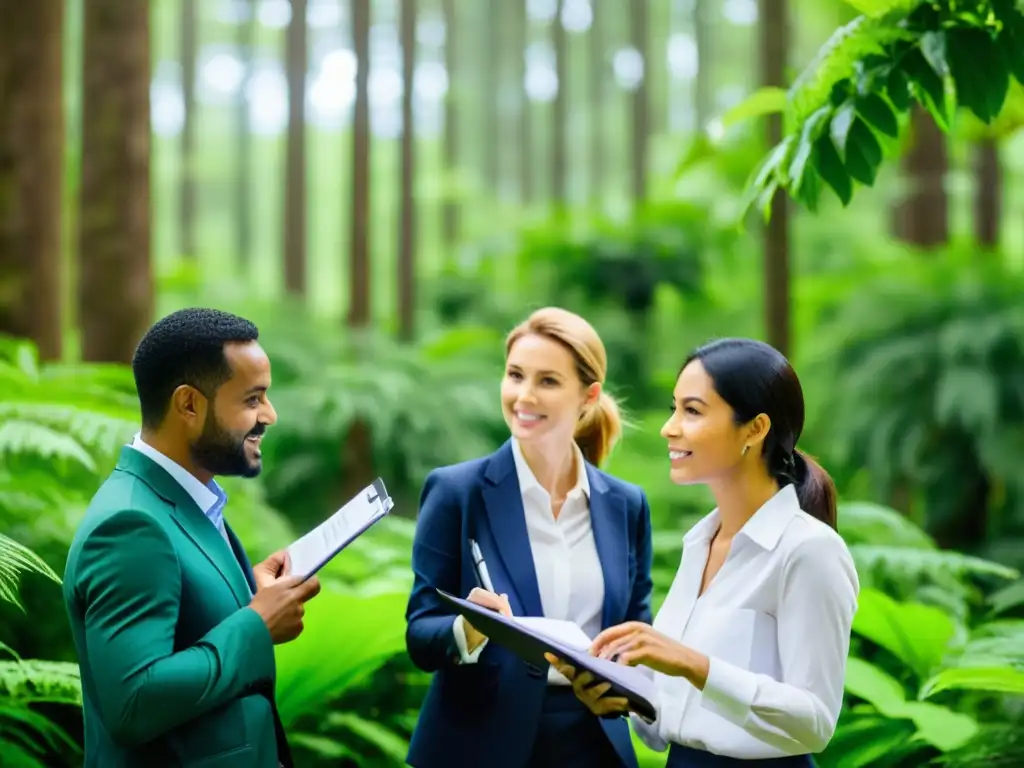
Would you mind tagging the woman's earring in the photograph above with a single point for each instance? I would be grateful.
(745, 449)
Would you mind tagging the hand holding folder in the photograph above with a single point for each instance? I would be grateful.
(526, 638)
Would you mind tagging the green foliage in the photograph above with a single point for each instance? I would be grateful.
(425, 405)
(610, 269)
(844, 111)
(28, 738)
(908, 654)
(14, 560)
(925, 395)
(328, 700)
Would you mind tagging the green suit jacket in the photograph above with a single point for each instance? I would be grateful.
(177, 670)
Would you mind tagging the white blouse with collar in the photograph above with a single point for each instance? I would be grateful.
(775, 623)
(569, 575)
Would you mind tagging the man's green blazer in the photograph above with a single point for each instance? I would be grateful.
(177, 670)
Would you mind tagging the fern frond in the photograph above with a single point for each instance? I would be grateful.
(21, 731)
(922, 564)
(36, 680)
(16, 559)
(996, 644)
(98, 431)
(862, 522)
(18, 437)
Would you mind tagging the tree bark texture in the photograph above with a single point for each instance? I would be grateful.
(115, 280)
(31, 171)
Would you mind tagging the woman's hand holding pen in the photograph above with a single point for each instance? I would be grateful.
(486, 599)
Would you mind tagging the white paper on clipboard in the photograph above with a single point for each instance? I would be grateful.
(312, 551)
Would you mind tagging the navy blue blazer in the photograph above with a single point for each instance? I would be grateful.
(487, 713)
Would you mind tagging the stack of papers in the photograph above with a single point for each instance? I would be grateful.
(530, 638)
(314, 550)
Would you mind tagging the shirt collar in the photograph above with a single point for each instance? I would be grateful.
(765, 528)
(528, 481)
(207, 497)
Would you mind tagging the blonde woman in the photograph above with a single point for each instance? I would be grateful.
(559, 538)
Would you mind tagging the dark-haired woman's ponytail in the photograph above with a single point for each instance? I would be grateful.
(814, 489)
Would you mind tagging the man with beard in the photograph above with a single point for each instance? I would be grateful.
(175, 630)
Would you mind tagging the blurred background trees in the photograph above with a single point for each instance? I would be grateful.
(386, 188)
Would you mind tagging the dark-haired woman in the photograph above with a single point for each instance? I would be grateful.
(748, 652)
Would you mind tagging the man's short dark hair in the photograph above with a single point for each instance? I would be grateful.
(186, 347)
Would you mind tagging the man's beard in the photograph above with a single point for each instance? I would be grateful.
(221, 452)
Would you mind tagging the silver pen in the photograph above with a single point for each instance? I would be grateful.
(480, 567)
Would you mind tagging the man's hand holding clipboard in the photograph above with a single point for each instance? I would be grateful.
(314, 550)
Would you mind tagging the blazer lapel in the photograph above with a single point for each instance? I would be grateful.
(608, 518)
(242, 558)
(504, 504)
(189, 518)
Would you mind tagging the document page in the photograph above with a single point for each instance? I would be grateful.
(564, 632)
(311, 552)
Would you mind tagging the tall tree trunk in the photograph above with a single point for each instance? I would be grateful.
(188, 31)
(357, 449)
(559, 112)
(295, 169)
(359, 277)
(704, 83)
(922, 217)
(246, 42)
(988, 195)
(115, 287)
(31, 171)
(450, 141)
(598, 77)
(521, 37)
(774, 45)
(491, 58)
(407, 225)
(639, 34)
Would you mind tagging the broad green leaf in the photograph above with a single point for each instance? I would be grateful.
(874, 685)
(864, 740)
(874, 109)
(992, 679)
(836, 60)
(811, 131)
(933, 48)
(831, 169)
(928, 87)
(935, 724)
(939, 726)
(765, 182)
(809, 190)
(979, 72)
(763, 101)
(863, 153)
(897, 87)
(361, 634)
(916, 634)
(839, 130)
(1011, 42)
